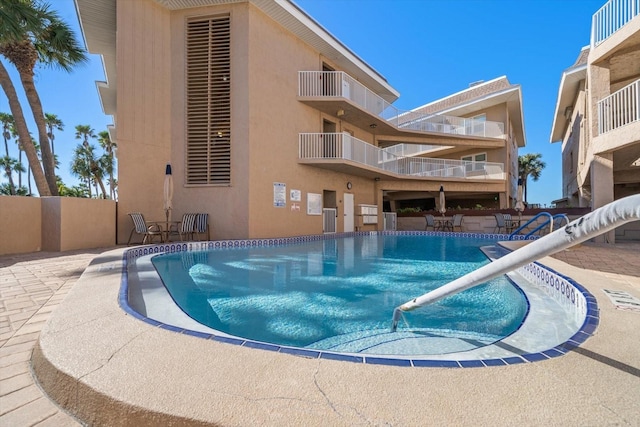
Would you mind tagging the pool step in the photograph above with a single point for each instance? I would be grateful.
(404, 342)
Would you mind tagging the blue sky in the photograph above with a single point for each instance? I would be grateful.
(426, 49)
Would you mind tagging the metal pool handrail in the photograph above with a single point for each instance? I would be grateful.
(590, 225)
(526, 224)
(551, 221)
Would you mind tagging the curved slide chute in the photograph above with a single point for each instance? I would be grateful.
(593, 224)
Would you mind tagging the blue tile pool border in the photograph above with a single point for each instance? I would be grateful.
(563, 288)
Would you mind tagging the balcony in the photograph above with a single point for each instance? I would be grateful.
(611, 17)
(619, 109)
(337, 85)
(344, 150)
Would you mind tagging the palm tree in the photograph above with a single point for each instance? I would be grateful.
(84, 132)
(47, 40)
(20, 127)
(14, 133)
(53, 123)
(12, 18)
(108, 159)
(80, 166)
(530, 165)
(35, 144)
(7, 123)
(11, 165)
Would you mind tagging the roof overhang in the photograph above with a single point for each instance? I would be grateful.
(98, 26)
(512, 96)
(569, 87)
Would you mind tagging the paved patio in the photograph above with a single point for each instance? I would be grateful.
(604, 390)
(31, 287)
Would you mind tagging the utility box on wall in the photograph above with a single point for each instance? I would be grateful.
(366, 215)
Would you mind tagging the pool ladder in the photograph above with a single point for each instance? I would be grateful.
(593, 224)
(551, 221)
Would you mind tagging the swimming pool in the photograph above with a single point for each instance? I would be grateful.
(339, 294)
(561, 313)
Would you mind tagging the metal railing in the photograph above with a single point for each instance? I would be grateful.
(408, 150)
(548, 221)
(620, 108)
(338, 84)
(346, 147)
(329, 221)
(611, 17)
(390, 221)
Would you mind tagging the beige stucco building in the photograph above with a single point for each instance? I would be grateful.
(597, 115)
(275, 128)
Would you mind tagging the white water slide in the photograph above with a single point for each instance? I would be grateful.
(586, 227)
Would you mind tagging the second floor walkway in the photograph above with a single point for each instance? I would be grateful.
(342, 149)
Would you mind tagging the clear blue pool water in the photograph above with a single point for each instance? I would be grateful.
(339, 294)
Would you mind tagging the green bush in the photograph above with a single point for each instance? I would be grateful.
(408, 210)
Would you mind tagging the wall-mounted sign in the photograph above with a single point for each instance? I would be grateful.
(314, 204)
(279, 194)
(295, 195)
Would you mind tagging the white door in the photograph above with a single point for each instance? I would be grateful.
(348, 212)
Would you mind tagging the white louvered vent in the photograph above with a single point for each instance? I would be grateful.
(208, 103)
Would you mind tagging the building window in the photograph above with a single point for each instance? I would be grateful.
(208, 101)
(476, 161)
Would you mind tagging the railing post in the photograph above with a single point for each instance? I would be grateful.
(637, 94)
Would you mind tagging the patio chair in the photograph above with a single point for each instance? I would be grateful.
(456, 223)
(431, 222)
(185, 229)
(202, 225)
(149, 232)
(508, 222)
(500, 223)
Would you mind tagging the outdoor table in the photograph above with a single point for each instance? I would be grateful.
(511, 224)
(444, 223)
(165, 228)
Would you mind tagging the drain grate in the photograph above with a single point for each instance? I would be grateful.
(623, 300)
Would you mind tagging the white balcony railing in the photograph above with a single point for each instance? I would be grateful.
(611, 17)
(410, 149)
(346, 147)
(338, 84)
(619, 108)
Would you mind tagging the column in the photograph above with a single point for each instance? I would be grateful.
(602, 188)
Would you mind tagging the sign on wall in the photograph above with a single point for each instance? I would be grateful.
(314, 204)
(279, 194)
(295, 195)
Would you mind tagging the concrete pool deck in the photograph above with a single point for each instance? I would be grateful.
(111, 369)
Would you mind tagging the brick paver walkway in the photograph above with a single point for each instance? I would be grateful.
(622, 258)
(31, 287)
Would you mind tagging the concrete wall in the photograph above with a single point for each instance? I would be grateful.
(143, 119)
(470, 223)
(72, 223)
(20, 225)
(31, 224)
